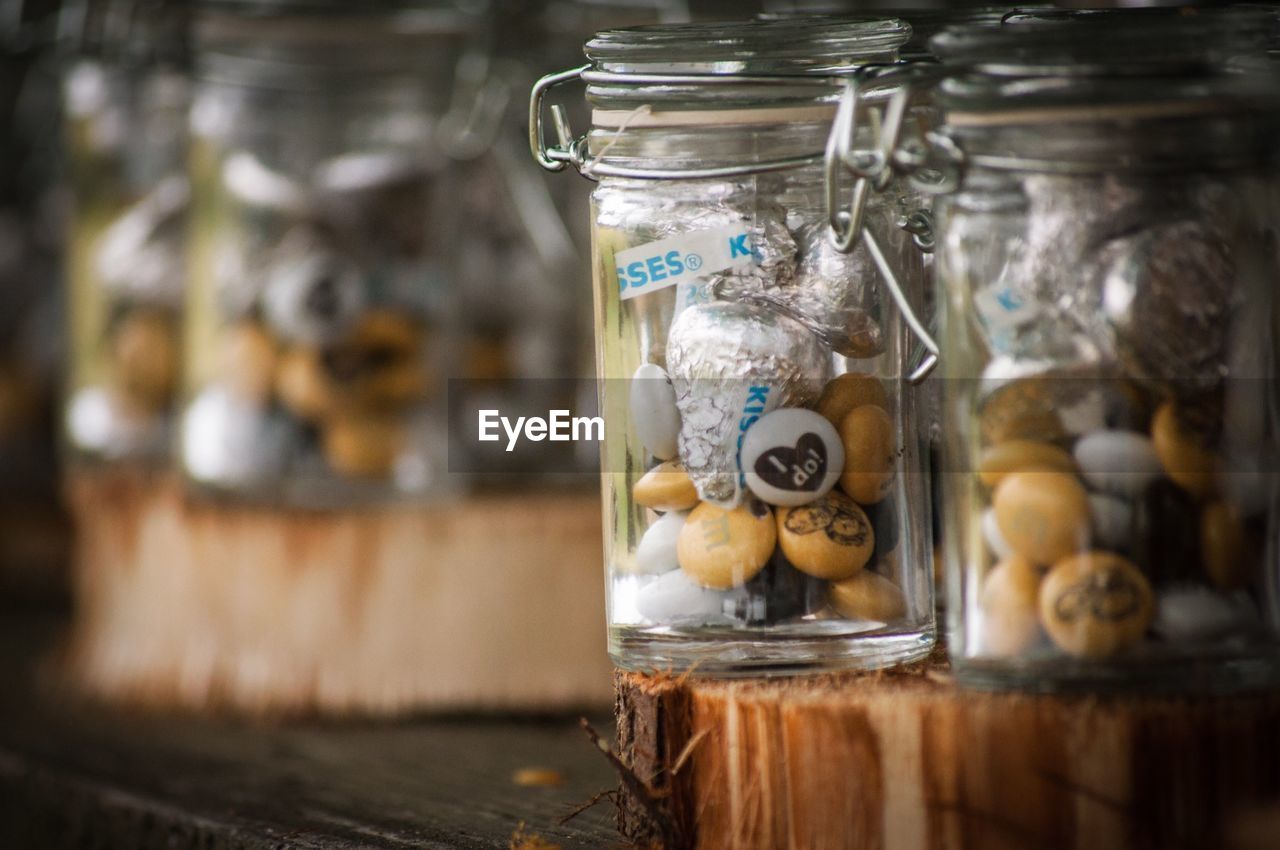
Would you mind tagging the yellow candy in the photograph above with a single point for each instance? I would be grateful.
(851, 390)
(1229, 559)
(1022, 456)
(303, 386)
(666, 487)
(1095, 605)
(1021, 411)
(721, 548)
(379, 365)
(1043, 516)
(144, 348)
(362, 445)
(869, 454)
(829, 539)
(1191, 466)
(1011, 608)
(869, 596)
(249, 361)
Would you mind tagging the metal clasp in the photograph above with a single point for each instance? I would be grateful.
(873, 169)
(569, 149)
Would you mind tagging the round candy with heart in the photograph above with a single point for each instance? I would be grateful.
(1096, 604)
(830, 538)
(792, 457)
(653, 411)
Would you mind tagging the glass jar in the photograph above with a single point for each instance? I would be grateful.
(765, 505)
(126, 96)
(319, 310)
(1107, 270)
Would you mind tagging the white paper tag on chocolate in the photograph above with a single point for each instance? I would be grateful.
(679, 259)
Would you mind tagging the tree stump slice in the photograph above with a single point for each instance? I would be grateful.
(905, 760)
(489, 604)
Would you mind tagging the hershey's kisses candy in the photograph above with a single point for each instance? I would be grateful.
(829, 539)
(722, 548)
(312, 295)
(791, 457)
(1168, 294)
(730, 364)
(1119, 462)
(1095, 604)
(836, 295)
(1044, 516)
(656, 552)
(1010, 603)
(141, 256)
(868, 596)
(653, 411)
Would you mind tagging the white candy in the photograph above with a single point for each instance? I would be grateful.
(98, 421)
(656, 553)
(226, 440)
(674, 598)
(792, 457)
(1118, 462)
(1191, 613)
(991, 533)
(1112, 521)
(653, 411)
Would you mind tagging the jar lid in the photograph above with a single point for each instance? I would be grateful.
(1058, 58)
(779, 47)
(130, 31)
(323, 43)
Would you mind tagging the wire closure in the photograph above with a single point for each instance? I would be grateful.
(873, 169)
(572, 150)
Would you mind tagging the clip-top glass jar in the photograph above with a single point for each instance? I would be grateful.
(764, 501)
(126, 96)
(1107, 266)
(319, 305)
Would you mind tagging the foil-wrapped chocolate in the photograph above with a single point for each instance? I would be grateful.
(1169, 292)
(141, 255)
(838, 296)
(731, 363)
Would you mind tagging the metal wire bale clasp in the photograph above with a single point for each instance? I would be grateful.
(873, 169)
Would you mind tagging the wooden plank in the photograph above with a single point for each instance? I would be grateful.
(76, 775)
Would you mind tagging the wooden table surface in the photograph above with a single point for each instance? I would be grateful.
(73, 775)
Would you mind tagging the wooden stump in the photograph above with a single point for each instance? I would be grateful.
(905, 760)
(492, 604)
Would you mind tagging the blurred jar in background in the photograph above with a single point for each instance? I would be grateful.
(126, 96)
(33, 538)
(320, 312)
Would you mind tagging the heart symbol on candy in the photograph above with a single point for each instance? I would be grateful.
(802, 468)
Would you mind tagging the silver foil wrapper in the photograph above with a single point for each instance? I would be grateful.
(835, 295)
(730, 363)
(1168, 294)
